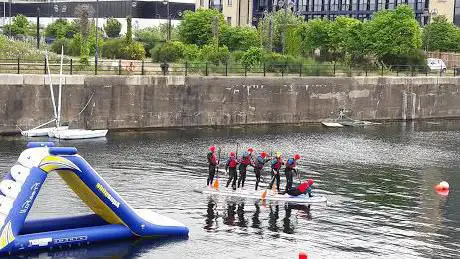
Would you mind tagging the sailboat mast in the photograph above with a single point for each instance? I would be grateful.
(51, 86)
(60, 90)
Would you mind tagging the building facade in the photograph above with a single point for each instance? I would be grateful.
(242, 12)
(144, 12)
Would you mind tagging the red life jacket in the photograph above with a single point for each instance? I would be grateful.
(213, 159)
(246, 161)
(278, 163)
(302, 187)
(232, 163)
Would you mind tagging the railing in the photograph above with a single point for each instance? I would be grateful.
(128, 67)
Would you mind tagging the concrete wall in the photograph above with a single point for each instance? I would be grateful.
(176, 101)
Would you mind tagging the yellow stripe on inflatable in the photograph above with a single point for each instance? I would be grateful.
(53, 163)
(7, 236)
(89, 197)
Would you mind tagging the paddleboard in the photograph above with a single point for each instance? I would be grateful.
(301, 199)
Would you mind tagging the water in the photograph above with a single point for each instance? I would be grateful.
(379, 182)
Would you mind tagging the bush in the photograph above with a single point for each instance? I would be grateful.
(57, 44)
(135, 50)
(191, 52)
(61, 29)
(236, 56)
(252, 57)
(112, 48)
(112, 28)
(215, 54)
(19, 26)
(168, 52)
(239, 38)
(149, 37)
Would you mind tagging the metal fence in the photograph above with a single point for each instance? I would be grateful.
(136, 67)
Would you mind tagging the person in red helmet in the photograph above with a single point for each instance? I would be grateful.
(290, 169)
(244, 161)
(304, 188)
(230, 167)
(276, 164)
(212, 161)
(259, 165)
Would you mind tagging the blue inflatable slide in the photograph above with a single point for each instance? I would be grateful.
(113, 218)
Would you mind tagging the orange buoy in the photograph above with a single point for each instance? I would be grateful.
(442, 186)
(303, 255)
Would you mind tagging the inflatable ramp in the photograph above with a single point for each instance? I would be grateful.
(114, 219)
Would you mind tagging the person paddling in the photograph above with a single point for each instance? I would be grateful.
(212, 161)
(259, 165)
(230, 167)
(276, 164)
(304, 188)
(245, 161)
(289, 169)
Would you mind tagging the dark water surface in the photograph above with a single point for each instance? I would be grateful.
(379, 182)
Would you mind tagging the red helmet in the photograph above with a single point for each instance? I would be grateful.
(232, 153)
(263, 154)
(296, 157)
(310, 182)
(250, 150)
(212, 148)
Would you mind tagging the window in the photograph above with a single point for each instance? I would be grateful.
(229, 19)
(229, 3)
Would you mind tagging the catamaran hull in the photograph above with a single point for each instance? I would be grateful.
(80, 134)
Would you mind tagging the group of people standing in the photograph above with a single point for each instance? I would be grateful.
(241, 164)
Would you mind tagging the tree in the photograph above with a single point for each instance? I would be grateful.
(129, 30)
(315, 35)
(239, 38)
(393, 34)
(441, 35)
(19, 26)
(346, 39)
(83, 12)
(60, 29)
(168, 52)
(112, 28)
(215, 54)
(278, 19)
(197, 27)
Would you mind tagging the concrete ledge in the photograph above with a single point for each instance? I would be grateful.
(10, 79)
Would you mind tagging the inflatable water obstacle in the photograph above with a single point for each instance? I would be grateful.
(113, 220)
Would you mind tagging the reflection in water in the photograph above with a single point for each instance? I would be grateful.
(229, 216)
(255, 217)
(121, 249)
(241, 220)
(211, 215)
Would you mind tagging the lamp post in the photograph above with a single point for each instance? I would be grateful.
(9, 18)
(38, 27)
(96, 54)
(60, 10)
(166, 2)
(284, 4)
(429, 14)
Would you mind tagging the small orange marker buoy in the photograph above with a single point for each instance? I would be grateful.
(303, 255)
(442, 188)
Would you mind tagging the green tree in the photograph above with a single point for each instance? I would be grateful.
(346, 41)
(393, 34)
(129, 30)
(19, 26)
(315, 35)
(61, 28)
(197, 27)
(441, 35)
(278, 19)
(112, 28)
(239, 38)
(170, 51)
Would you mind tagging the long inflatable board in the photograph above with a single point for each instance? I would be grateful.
(301, 199)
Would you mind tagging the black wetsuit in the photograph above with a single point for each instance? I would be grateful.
(244, 162)
(289, 171)
(212, 167)
(232, 175)
(258, 168)
(276, 166)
